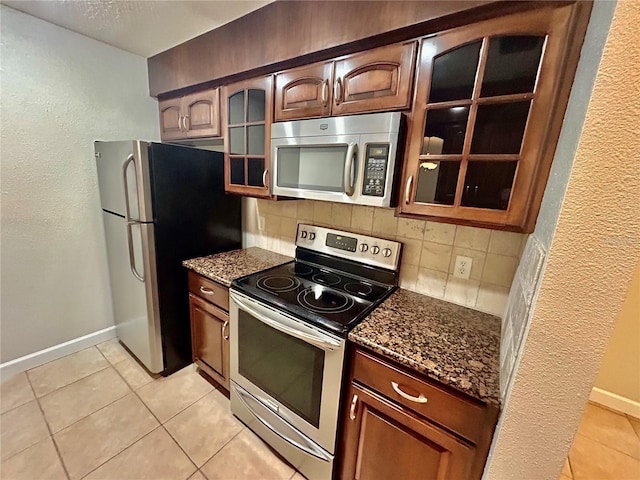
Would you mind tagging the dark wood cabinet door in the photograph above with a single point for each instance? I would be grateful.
(382, 440)
(488, 106)
(210, 339)
(375, 80)
(202, 114)
(171, 126)
(304, 92)
(247, 115)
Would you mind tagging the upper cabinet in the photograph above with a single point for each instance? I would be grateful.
(192, 116)
(375, 80)
(247, 118)
(480, 140)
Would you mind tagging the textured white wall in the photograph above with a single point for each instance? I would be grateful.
(593, 252)
(60, 92)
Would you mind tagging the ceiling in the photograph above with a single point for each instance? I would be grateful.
(141, 27)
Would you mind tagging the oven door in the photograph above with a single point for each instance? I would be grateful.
(318, 168)
(293, 369)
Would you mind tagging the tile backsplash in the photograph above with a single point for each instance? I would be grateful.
(429, 248)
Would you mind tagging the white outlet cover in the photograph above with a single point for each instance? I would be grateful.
(462, 268)
(261, 223)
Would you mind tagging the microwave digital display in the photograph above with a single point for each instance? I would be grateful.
(341, 242)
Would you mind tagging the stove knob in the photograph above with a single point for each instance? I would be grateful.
(375, 249)
(312, 236)
(303, 234)
(386, 252)
(364, 247)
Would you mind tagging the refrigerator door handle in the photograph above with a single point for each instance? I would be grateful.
(127, 212)
(132, 260)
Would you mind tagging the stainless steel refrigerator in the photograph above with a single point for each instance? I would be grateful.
(161, 204)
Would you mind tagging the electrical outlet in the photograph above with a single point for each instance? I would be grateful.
(261, 223)
(463, 267)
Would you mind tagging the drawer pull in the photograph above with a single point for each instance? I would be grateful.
(352, 410)
(206, 291)
(224, 329)
(419, 399)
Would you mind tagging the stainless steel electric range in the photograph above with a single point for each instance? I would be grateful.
(289, 326)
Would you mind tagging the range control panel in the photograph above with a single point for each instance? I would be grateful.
(375, 169)
(361, 248)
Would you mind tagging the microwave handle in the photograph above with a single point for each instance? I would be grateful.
(349, 175)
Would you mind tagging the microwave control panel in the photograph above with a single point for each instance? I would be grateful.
(375, 169)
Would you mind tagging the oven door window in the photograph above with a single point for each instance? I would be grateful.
(287, 368)
(313, 167)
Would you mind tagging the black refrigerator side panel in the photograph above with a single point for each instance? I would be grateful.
(193, 217)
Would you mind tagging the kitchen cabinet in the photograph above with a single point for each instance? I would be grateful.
(247, 117)
(375, 80)
(399, 425)
(191, 116)
(208, 307)
(489, 102)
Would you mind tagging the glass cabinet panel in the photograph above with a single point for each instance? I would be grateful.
(488, 184)
(255, 106)
(237, 170)
(512, 65)
(445, 130)
(454, 73)
(255, 171)
(236, 108)
(437, 182)
(236, 141)
(255, 140)
(499, 128)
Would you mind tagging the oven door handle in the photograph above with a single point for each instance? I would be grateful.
(318, 340)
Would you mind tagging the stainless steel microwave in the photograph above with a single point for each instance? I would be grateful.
(338, 159)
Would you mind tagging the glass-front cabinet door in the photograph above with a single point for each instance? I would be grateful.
(247, 129)
(485, 97)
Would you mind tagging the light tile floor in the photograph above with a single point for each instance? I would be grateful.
(98, 415)
(606, 447)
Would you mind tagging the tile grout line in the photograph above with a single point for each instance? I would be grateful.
(608, 446)
(225, 444)
(53, 440)
(71, 383)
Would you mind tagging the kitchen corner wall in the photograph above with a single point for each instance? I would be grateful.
(429, 248)
(60, 92)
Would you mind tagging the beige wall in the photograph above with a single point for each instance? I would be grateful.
(620, 368)
(60, 92)
(593, 254)
(429, 248)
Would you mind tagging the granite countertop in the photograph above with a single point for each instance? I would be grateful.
(454, 345)
(227, 266)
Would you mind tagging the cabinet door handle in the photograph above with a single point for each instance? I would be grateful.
(407, 190)
(180, 123)
(325, 92)
(207, 291)
(352, 410)
(224, 328)
(337, 91)
(419, 399)
(185, 119)
(264, 178)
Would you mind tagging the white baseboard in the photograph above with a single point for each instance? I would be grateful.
(36, 359)
(615, 402)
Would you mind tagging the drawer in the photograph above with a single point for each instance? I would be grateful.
(209, 290)
(446, 409)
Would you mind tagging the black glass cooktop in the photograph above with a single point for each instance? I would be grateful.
(329, 298)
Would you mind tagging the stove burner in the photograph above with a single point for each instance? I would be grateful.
(324, 301)
(278, 283)
(326, 278)
(358, 288)
(300, 269)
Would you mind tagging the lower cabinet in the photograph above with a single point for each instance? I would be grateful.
(210, 337)
(386, 437)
